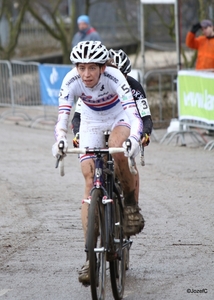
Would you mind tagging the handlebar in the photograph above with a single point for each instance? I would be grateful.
(111, 150)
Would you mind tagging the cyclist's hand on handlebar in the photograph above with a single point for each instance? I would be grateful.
(145, 140)
(132, 147)
(76, 140)
(60, 147)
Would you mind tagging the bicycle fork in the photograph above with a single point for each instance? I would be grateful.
(106, 203)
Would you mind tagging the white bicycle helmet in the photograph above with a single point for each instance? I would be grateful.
(121, 60)
(89, 52)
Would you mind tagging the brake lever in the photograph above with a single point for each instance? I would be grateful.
(128, 144)
(142, 156)
(57, 160)
(131, 159)
(128, 148)
(58, 156)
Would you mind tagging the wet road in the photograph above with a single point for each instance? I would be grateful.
(41, 239)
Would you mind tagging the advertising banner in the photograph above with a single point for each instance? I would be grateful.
(196, 96)
(51, 77)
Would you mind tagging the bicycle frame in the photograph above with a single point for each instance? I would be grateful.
(104, 180)
(109, 229)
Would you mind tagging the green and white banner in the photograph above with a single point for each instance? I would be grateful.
(196, 96)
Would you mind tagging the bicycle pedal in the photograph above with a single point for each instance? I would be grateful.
(85, 284)
(88, 200)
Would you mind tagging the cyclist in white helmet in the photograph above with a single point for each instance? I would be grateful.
(120, 59)
(107, 104)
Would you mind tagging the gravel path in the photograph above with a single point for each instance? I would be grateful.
(41, 239)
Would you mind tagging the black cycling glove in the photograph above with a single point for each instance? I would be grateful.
(195, 27)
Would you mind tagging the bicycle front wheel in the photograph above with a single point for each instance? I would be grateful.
(117, 266)
(96, 245)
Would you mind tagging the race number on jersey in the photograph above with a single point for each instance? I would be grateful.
(143, 107)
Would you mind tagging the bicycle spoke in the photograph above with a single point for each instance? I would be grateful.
(117, 266)
(96, 246)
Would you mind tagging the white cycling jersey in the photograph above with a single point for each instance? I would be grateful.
(142, 105)
(111, 96)
(78, 105)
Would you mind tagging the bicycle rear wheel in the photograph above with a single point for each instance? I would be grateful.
(96, 245)
(117, 266)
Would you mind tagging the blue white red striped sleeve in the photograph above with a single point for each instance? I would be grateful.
(65, 105)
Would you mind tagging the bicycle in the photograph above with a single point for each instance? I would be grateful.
(105, 241)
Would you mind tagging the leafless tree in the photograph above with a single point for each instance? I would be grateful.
(11, 16)
(55, 23)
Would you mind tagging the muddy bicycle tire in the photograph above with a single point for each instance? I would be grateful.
(118, 265)
(96, 240)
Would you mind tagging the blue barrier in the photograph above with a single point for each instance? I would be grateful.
(51, 77)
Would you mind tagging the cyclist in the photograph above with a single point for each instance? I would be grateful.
(107, 103)
(121, 60)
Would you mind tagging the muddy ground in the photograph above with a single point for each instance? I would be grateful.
(41, 239)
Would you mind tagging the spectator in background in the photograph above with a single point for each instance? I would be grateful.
(86, 31)
(204, 44)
